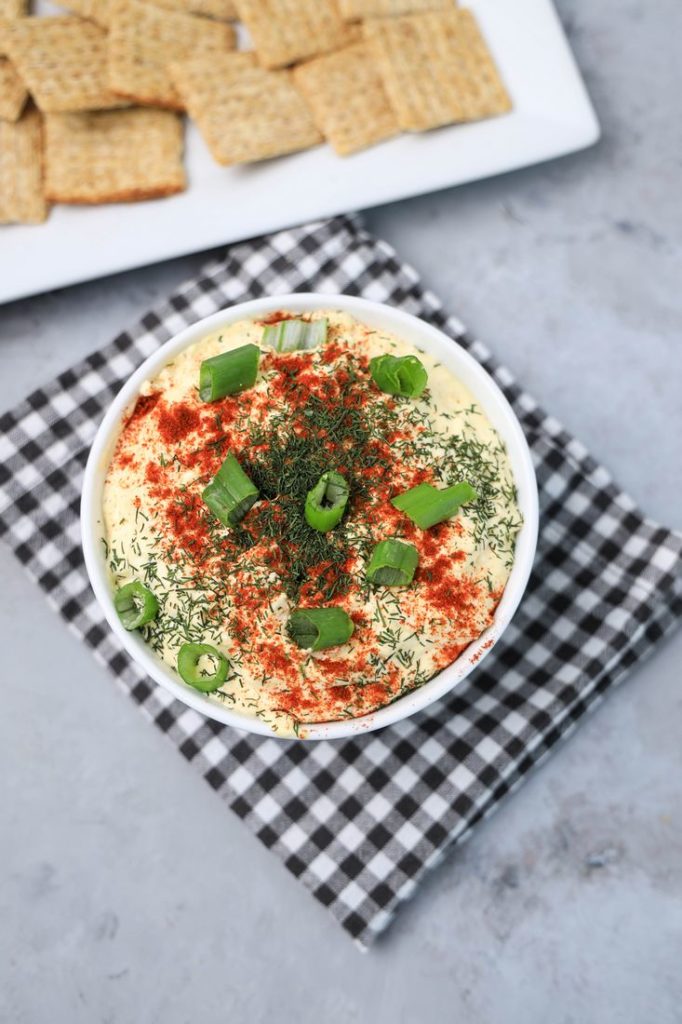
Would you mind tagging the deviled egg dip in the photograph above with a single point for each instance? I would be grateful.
(307, 518)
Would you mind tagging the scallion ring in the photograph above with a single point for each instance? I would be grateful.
(426, 505)
(399, 375)
(228, 373)
(136, 605)
(393, 563)
(289, 335)
(192, 659)
(230, 493)
(326, 502)
(315, 629)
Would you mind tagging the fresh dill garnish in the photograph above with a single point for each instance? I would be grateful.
(290, 455)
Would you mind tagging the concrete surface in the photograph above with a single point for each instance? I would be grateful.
(129, 895)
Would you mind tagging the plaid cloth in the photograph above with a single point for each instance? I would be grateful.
(361, 822)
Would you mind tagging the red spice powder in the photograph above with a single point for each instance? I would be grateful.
(143, 407)
(375, 694)
(449, 653)
(458, 597)
(432, 540)
(342, 695)
(340, 668)
(183, 515)
(332, 351)
(152, 473)
(124, 459)
(175, 421)
(484, 647)
(276, 661)
(279, 315)
(187, 522)
(298, 700)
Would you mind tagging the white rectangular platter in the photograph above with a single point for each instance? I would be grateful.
(552, 116)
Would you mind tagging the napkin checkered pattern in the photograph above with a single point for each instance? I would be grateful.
(360, 822)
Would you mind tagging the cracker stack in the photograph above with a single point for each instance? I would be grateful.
(90, 101)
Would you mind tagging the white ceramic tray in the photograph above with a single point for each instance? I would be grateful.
(552, 116)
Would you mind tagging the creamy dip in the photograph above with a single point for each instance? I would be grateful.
(235, 587)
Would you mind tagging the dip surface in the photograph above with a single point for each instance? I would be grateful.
(235, 587)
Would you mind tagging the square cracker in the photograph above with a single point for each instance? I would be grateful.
(285, 31)
(354, 10)
(244, 112)
(62, 61)
(144, 39)
(22, 199)
(113, 156)
(436, 69)
(347, 97)
(13, 93)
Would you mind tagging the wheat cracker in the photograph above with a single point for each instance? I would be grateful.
(113, 156)
(245, 112)
(22, 199)
(62, 61)
(436, 68)
(347, 97)
(286, 31)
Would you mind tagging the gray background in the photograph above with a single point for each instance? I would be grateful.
(129, 894)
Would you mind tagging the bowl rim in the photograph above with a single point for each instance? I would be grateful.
(392, 319)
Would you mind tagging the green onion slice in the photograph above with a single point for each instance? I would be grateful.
(193, 662)
(326, 502)
(426, 505)
(228, 373)
(230, 493)
(135, 604)
(319, 628)
(399, 375)
(393, 563)
(288, 335)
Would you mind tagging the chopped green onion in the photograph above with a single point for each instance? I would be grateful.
(326, 502)
(426, 505)
(230, 493)
(399, 375)
(192, 659)
(288, 335)
(393, 563)
(228, 373)
(319, 628)
(135, 604)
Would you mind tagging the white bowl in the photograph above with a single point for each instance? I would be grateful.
(418, 333)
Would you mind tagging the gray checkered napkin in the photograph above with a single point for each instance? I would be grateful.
(362, 821)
